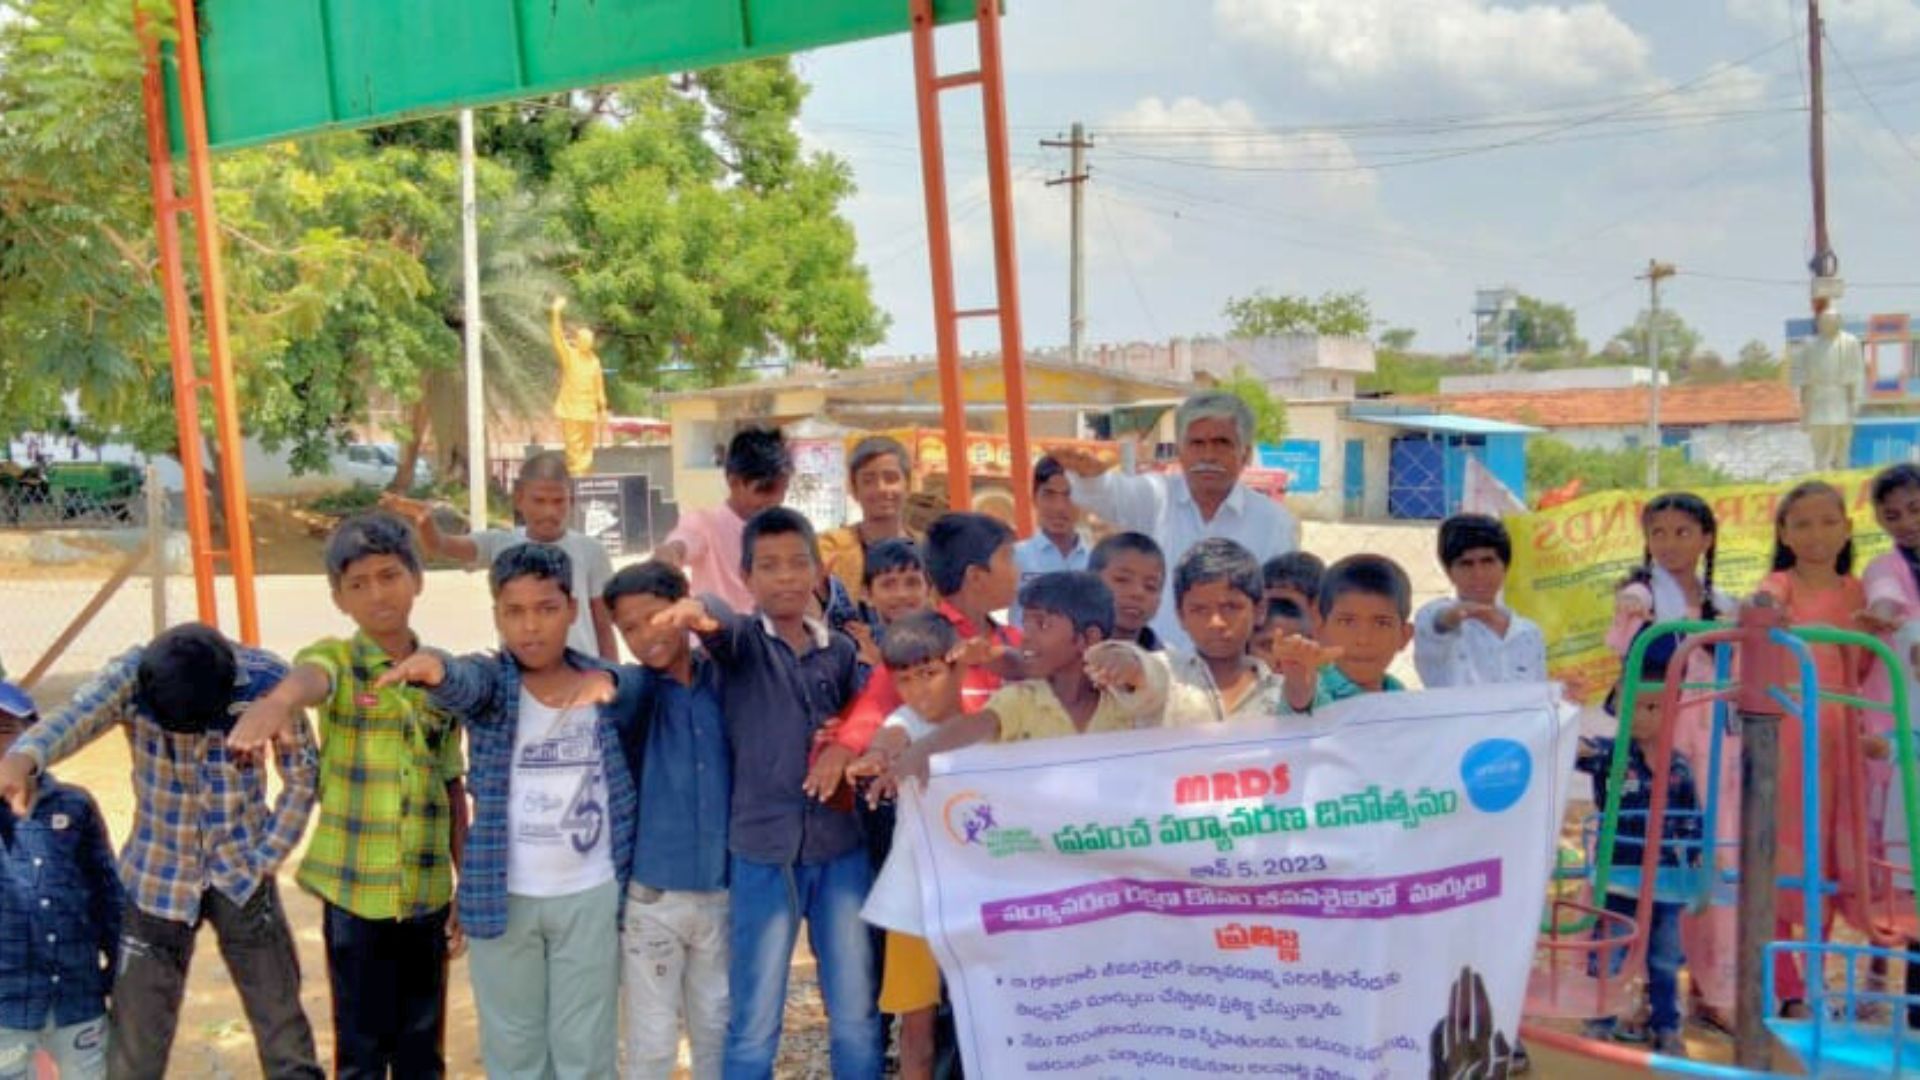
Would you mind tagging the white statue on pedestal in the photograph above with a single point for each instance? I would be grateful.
(1830, 374)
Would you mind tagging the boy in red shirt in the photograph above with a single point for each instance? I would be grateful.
(970, 559)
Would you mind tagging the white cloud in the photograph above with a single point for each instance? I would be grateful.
(1230, 136)
(1882, 25)
(1471, 48)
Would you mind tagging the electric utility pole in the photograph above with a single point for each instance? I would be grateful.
(1656, 273)
(1077, 177)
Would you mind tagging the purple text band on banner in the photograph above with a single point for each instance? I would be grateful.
(1356, 898)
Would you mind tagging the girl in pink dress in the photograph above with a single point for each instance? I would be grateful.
(1813, 580)
(1681, 534)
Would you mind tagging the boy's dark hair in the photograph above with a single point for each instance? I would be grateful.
(650, 578)
(1219, 559)
(758, 456)
(960, 541)
(1106, 550)
(1282, 608)
(548, 465)
(1297, 570)
(1370, 575)
(364, 536)
(1045, 469)
(185, 679)
(1654, 665)
(1462, 533)
(916, 638)
(873, 447)
(889, 556)
(776, 521)
(548, 562)
(1078, 595)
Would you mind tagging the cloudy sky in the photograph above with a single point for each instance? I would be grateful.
(1413, 149)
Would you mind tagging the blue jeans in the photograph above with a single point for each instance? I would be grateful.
(1663, 960)
(767, 905)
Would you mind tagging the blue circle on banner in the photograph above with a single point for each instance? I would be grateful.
(1496, 772)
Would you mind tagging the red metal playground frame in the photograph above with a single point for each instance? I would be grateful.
(198, 201)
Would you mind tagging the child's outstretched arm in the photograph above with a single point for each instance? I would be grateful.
(100, 703)
(272, 718)
(1299, 660)
(461, 549)
(956, 734)
(1139, 682)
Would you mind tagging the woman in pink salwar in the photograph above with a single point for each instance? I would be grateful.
(1680, 531)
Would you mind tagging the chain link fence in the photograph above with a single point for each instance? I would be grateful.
(87, 570)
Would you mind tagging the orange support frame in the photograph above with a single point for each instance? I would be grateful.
(187, 383)
(928, 85)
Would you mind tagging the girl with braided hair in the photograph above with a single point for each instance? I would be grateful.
(1675, 581)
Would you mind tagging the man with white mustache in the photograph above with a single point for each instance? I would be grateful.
(1205, 499)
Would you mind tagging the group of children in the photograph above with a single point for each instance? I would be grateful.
(668, 825)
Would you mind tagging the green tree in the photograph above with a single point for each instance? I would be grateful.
(1541, 326)
(1397, 339)
(1757, 361)
(1404, 374)
(1552, 463)
(1269, 412)
(1335, 314)
(707, 238)
(1678, 342)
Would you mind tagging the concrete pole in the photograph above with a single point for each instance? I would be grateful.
(476, 389)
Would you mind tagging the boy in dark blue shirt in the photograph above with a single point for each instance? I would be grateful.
(60, 905)
(794, 858)
(1680, 838)
(675, 937)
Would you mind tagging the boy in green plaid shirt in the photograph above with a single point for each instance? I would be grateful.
(392, 810)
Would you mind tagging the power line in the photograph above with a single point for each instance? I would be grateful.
(1127, 263)
(1483, 148)
(1868, 98)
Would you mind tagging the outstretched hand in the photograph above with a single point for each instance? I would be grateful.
(977, 652)
(1115, 669)
(1299, 657)
(1080, 461)
(423, 668)
(266, 723)
(688, 615)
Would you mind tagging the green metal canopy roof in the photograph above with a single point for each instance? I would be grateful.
(277, 69)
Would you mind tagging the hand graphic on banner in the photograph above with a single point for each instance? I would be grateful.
(1465, 1043)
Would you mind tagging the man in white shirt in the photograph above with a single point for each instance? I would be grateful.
(1058, 543)
(1205, 499)
(1471, 638)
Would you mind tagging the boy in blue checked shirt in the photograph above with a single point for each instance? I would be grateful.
(205, 843)
(552, 840)
(675, 937)
(795, 858)
(60, 906)
(392, 809)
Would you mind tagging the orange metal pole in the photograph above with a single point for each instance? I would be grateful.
(173, 295)
(933, 182)
(206, 218)
(1013, 362)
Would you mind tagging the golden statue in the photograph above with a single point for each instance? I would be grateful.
(581, 405)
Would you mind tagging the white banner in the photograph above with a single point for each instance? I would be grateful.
(1351, 896)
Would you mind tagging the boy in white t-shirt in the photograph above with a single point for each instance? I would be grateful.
(919, 653)
(543, 499)
(551, 847)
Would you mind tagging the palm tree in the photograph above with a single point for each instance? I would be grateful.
(517, 282)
